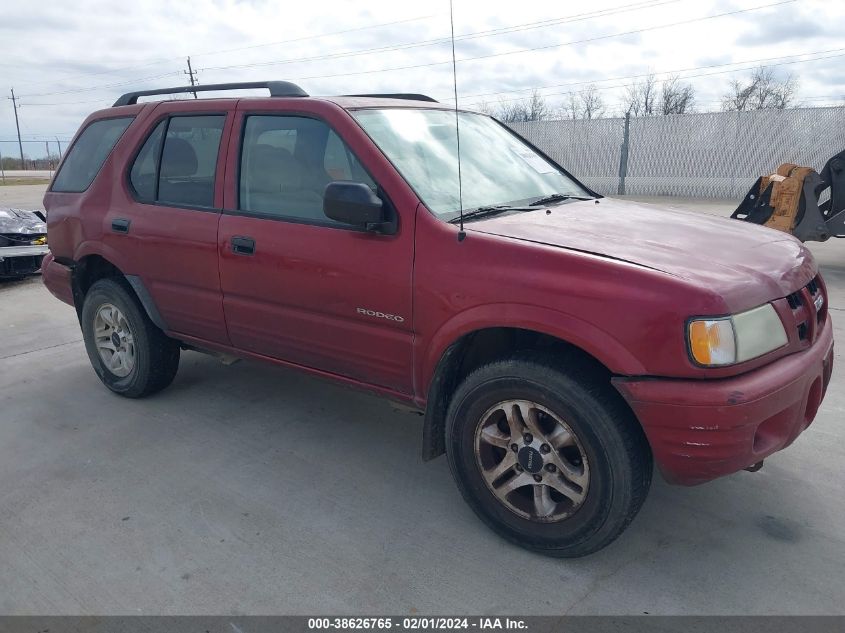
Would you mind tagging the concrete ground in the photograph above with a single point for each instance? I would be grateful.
(22, 196)
(251, 489)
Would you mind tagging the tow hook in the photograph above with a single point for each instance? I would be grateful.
(755, 467)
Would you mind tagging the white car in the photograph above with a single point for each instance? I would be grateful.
(23, 242)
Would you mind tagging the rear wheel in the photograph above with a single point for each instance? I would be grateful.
(128, 352)
(553, 463)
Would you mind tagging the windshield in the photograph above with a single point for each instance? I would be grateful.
(497, 167)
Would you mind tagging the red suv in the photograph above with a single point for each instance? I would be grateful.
(556, 341)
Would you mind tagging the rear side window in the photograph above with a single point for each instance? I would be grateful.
(178, 161)
(88, 154)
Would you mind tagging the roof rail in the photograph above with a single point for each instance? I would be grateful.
(276, 88)
(399, 95)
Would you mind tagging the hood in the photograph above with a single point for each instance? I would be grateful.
(746, 264)
(21, 221)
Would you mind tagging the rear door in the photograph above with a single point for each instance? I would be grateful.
(167, 226)
(298, 286)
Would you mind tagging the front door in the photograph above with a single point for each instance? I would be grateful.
(296, 285)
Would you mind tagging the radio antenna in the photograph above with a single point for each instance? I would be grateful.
(461, 233)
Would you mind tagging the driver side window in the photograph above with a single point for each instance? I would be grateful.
(286, 163)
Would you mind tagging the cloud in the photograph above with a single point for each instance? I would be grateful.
(80, 56)
(780, 28)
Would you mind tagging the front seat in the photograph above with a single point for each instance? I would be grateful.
(274, 185)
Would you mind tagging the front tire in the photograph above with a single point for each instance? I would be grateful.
(553, 463)
(131, 356)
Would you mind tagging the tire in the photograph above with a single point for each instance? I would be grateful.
(586, 430)
(150, 360)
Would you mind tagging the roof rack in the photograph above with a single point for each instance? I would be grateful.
(276, 88)
(399, 95)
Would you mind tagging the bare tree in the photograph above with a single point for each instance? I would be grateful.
(585, 104)
(648, 97)
(533, 108)
(762, 91)
(592, 105)
(485, 108)
(641, 97)
(676, 97)
(537, 107)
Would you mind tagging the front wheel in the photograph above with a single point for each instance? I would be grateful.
(553, 463)
(128, 352)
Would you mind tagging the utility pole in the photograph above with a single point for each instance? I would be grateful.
(60, 148)
(18, 127)
(190, 72)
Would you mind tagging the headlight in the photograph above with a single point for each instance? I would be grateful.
(737, 338)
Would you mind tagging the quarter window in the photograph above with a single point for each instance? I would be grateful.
(286, 163)
(144, 172)
(181, 172)
(88, 154)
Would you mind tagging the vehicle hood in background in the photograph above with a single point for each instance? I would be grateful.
(746, 264)
(21, 221)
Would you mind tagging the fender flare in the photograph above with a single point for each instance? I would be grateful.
(443, 346)
(135, 282)
(147, 301)
(598, 343)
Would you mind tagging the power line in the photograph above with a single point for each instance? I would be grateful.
(580, 17)
(550, 46)
(163, 60)
(63, 103)
(647, 74)
(115, 85)
(636, 6)
(746, 67)
(311, 37)
(605, 37)
(722, 72)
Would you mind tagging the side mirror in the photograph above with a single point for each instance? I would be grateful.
(355, 203)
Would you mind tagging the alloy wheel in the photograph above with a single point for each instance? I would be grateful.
(531, 461)
(114, 339)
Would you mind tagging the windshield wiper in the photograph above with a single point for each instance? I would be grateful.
(556, 197)
(484, 212)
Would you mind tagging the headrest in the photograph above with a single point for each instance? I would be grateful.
(178, 159)
(273, 170)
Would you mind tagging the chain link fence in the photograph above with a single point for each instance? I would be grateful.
(712, 155)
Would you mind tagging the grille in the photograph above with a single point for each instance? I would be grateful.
(803, 305)
(20, 266)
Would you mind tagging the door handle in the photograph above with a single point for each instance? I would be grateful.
(243, 245)
(120, 225)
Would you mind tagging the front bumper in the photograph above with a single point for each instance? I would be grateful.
(703, 429)
(21, 260)
(7, 252)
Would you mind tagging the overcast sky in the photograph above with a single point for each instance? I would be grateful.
(65, 59)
